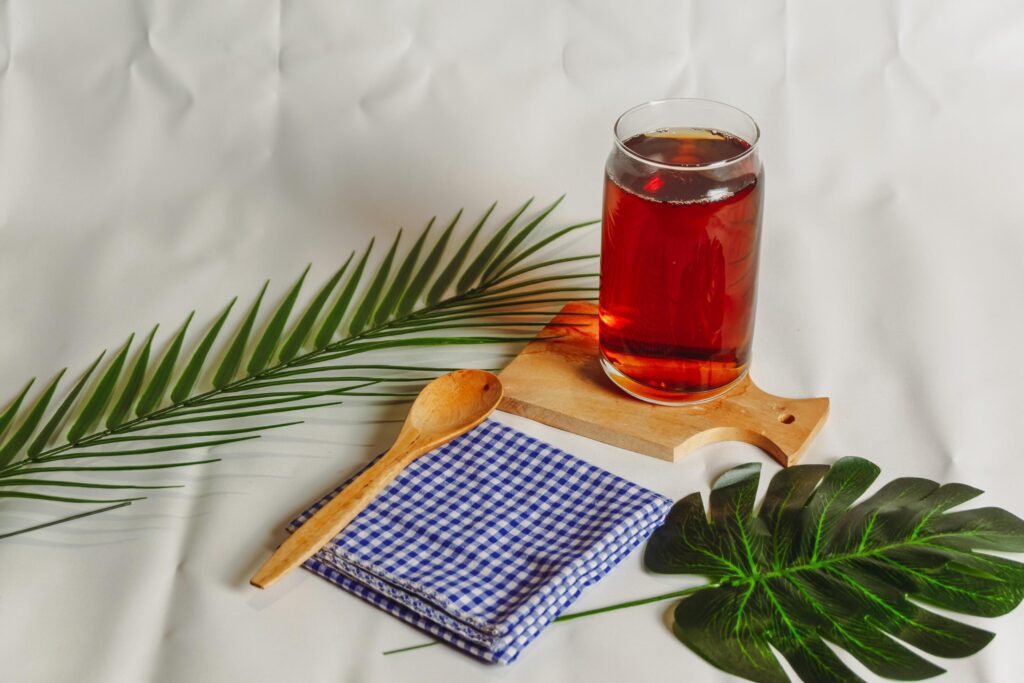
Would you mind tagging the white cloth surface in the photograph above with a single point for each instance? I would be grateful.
(161, 156)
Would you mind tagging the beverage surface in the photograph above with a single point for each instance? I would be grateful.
(679, 263)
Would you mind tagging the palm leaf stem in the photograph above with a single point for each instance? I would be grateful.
(496, 314)
(209, 432)
(331, 368)
(512, 302)
(122, 468)
(312, 380)
(463, 325)
(372, 345)
(62, 520)
(246, 402)
(209, 418)
(542, 264)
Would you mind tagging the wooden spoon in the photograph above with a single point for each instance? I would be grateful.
(447, 407)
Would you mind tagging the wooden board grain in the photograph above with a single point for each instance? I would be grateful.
(559, 382)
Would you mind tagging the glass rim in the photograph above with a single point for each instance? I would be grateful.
(620, 143)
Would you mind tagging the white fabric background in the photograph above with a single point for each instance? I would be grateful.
(160, 156)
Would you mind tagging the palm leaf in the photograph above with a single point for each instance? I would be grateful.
(814, 568)
(7, 416)
(100, 396)
(483, 310)
(192, 435)
(82, 484)
(64, 499)
(121, 468)
(305, 325)
(402, 277)
(526, 253)
(195, 366)
(233, 357)
(309, 380)
(516, 299)
(154, 392)
(462, 324)
(491, 315)
(63, 520)
(423, 341)
(142, 451)
(419, 283)
(55, 420)
(131, 389)
(333, 320)
(451, 271)
(189, 420)
(272, 335)
(376, 366)
(486, 254)
(518, 238)
(406, 304)
(31, 421)
(372, 296)
(245, 402)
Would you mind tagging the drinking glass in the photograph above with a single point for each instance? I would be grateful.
(679, 251)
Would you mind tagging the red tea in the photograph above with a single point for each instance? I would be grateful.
(679, 264)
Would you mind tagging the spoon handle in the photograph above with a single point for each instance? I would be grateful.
(328, 521)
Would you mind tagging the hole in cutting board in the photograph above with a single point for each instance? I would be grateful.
(787, 418)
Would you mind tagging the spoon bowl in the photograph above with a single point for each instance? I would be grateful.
(449, 406)
(450, 402)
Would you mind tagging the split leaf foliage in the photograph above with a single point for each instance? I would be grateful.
(814, 570)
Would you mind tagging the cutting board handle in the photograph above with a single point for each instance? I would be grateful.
(782, 427)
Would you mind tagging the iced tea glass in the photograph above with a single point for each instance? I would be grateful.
(679, 250)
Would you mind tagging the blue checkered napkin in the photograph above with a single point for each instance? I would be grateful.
(485, 540)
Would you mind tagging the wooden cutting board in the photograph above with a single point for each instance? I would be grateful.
(560, 383)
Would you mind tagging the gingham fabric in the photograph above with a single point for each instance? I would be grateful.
(485, 540)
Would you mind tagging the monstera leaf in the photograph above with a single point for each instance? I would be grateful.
(814, 569)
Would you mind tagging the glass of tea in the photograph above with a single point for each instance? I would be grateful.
(679, 250)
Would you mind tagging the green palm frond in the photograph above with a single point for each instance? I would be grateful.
(143, 401)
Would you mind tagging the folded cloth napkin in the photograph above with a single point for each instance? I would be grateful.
(485, 540)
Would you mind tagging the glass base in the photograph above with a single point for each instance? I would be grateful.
(666, 398)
